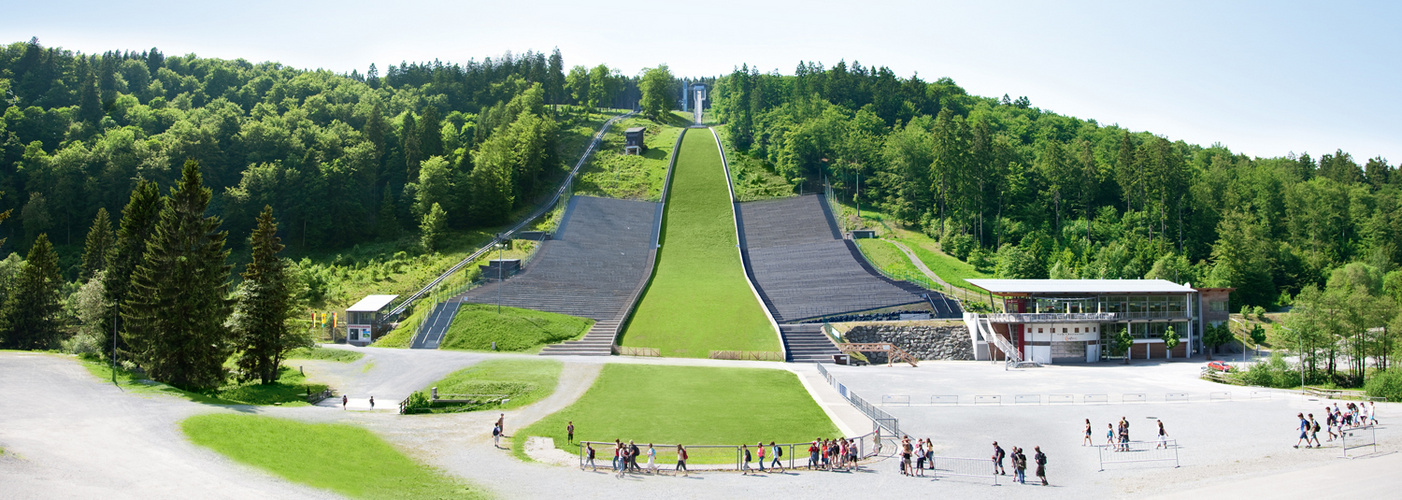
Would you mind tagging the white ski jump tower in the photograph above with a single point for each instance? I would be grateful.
(699, 91)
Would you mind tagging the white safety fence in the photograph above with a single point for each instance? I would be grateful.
(1129, 452)
(1359, 437)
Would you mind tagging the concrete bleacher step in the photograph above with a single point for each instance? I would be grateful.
(806, 343)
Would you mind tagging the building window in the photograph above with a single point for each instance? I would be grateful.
(1039, 330)
(1078, 330)
(1219, 306)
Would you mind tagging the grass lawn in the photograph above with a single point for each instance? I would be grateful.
(291, 388)
(342, 458)
(476, 326)
(887, 257)
(948, 268)
(698, 300)
(323, 354)
(525, 381)
(690, 405)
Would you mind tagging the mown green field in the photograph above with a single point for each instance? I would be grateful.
(523, 381)
(476, 326)
(342, 458)
(322, 354)
(689, 405)
(698, 300)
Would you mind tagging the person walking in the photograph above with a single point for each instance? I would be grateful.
(501, 420)
(651, 459)
(759, 449)
(813, 455)
(681, 460)
(998, 455)
(1330, 421)
(633, 454)
(1086, 441)
(589, 452)
(1314, 431)
(778, 454)
(1109, 434)
(745, 465)
(825, 453)
(930, 453)
(496, 436)
(344, 401)
(622, 459)
(372, 403)
(1163, 437)
(569, 432)
(1372, 413)
(1019, 466)
(1041, 459)
(617, 455)
(1304, 431)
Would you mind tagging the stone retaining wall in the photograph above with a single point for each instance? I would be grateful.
(924, 342)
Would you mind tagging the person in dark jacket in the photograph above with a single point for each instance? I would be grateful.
(1041, 459)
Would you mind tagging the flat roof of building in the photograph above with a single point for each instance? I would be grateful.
(1079, 286)
(372, 303)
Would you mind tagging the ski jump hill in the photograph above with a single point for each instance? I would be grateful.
(804, 269)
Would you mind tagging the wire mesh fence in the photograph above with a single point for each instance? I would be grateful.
(880, 419)
(1128, 452)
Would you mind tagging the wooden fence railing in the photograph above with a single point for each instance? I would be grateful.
(637, 351)
(892, 352)
(748, 355)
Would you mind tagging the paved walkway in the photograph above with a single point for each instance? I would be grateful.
(920, 264)
(67, 434)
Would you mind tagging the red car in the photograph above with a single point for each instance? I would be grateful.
(1220, 366)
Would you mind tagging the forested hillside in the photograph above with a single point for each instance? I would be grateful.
(1033, 194)
(342, 158)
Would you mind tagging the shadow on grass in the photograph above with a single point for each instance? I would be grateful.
(291, 388)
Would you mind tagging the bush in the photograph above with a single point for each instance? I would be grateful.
(418, 403)
(1273, 372)
(1386, 384)
(83, 344)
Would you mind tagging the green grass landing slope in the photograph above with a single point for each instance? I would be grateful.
(689, 405)
(698, 300)
(342, 458)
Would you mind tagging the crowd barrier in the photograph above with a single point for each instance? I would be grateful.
(1061, 399)
(1138, 452)
(1359, 437)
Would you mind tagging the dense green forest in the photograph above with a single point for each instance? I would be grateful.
(1035, 194)
(335, 154)
(397, 161)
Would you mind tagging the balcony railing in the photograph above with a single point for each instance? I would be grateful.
(1081, 317)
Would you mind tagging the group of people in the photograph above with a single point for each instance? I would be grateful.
(1019, 461)
(924, 452)
(1352, 415)
(775, 452)
(833, 454)
(625, 458)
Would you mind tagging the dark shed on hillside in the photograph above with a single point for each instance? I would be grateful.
(634, 141)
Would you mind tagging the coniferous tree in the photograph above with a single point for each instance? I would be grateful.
(138, 221)
(375, 129)
(90, 105)
(98, 245)
(413, 151)
(178, 305)
(265, 303)
(29, 316)
(388, 220)
(430, 133)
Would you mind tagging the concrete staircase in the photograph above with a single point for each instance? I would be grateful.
(597, 342)
(806, 343)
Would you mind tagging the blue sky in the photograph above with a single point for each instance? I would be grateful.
(1263, 78)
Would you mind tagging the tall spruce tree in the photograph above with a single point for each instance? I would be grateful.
(265, 303)
(98, 245)
(29, 317)
(413, 152)
(138, 221)
(388, 223)
(430, 133)
(179, 292)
